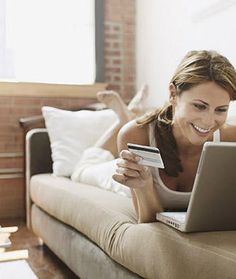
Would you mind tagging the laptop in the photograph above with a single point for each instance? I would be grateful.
(212, 205)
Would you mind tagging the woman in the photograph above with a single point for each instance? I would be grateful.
(199, 95)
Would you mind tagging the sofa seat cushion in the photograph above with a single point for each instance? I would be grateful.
(148, 249)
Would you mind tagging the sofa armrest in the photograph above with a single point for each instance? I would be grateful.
(38, 152)
(38, 160)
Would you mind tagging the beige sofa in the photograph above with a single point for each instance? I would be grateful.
(96, 234)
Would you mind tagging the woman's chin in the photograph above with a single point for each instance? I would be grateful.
(199, 140)
(200, 137)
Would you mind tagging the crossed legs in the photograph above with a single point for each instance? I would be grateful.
(112, 100)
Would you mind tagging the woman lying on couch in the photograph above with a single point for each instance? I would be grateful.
(199, 95)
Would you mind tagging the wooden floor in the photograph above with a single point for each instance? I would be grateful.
(41, 260)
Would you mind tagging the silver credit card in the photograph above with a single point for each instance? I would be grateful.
(150, 156)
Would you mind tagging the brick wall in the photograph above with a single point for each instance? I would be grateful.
(12, 186)
(119, 29)
(119, 53)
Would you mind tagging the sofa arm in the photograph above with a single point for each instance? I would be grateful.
(37, 159)
(38, 152)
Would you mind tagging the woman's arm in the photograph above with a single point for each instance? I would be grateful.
(148, 204)
(137, 177)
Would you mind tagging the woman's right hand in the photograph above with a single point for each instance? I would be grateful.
(130, 173)
(136, 176)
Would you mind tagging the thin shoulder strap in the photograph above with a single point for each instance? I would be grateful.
(152, 141)
(216, 136)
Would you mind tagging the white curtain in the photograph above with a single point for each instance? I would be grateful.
(6, 54)
(48, 41)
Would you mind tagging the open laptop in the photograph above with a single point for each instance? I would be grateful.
(212, 206)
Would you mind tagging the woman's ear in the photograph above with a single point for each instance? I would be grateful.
(173, 93)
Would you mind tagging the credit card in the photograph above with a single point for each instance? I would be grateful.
(150, 156)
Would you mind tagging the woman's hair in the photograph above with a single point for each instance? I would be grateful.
(196, 68)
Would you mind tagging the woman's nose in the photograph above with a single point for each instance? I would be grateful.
(209, 120)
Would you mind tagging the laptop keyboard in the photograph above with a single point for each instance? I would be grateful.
(180, 216)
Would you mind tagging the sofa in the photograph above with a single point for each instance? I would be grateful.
(96, 234)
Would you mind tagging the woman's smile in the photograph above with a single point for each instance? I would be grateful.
(201, 131)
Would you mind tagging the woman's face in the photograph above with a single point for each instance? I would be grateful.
(198, 112)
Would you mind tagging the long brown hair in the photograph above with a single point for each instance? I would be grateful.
(196, 68)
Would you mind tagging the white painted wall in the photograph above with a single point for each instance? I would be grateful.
(167, 29)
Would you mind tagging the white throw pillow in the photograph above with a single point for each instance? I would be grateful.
(71, 132)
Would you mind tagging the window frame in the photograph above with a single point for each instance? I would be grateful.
(99, 41)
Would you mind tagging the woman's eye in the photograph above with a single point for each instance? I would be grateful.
(199, 106)
(222, 110)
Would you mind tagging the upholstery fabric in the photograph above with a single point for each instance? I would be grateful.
(81, 255)
(96, 167)
(151, 250)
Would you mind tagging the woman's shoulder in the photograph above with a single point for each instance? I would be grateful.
(228, 132)
(134, 133)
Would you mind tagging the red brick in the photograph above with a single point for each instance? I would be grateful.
(117, 78)
(120, 21)
(112, 37)
(13, 162)
(116, 62)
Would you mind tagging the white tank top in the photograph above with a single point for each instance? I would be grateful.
(171, 199)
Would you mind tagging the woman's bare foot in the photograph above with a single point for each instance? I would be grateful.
(113, 101)
(138, 105)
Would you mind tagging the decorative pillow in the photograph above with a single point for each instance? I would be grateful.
(72, 132)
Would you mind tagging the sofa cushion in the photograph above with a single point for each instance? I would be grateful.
(80, 254)
(152, 250)
(81, 205)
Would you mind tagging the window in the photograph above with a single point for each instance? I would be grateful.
(51, 41)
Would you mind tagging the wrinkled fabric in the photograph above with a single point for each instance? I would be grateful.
(96, 167)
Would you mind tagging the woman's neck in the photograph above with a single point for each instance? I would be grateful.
(185, 147)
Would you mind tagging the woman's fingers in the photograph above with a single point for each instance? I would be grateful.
(127, 155)
(127, 181)
(123, 163)
(120, 178)
(127, 172)
(127, 165)
(145, 172)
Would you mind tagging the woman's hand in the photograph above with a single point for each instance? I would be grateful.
(135, 176)
(130, 173)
